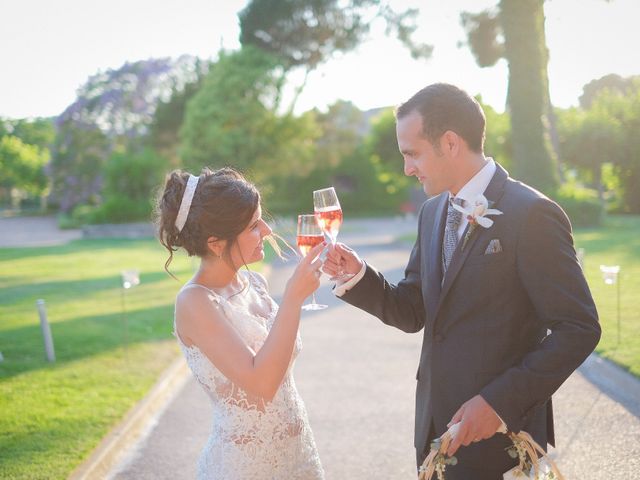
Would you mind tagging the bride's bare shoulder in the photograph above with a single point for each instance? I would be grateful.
(195, 300)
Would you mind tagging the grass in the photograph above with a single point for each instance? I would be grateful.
(617, 242)
(54, 414)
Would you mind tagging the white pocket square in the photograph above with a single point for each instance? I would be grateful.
(493, 247)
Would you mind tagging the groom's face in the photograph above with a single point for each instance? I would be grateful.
(421, 159)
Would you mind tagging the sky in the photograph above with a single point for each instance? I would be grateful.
(49, 49)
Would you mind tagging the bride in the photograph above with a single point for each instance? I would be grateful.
(239, 344)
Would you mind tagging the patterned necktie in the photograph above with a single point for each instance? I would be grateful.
(450, 233)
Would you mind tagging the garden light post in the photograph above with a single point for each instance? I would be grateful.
(130, 278)
(610, 275)
(46, 332)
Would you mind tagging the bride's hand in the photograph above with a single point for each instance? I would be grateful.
(306, 277)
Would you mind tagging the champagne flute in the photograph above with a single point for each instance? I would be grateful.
(327, 208)
(329, 214)
(309, 235)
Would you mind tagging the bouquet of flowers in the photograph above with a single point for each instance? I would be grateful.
(534, 463)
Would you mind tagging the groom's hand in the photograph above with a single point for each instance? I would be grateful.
(341, 259)
(478, 421)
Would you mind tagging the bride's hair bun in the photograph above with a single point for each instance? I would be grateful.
(222, 206)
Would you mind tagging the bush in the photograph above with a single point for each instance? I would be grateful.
(134, 175)
(79, 216)
(581, 205)
(121, 210)
(130, 180)
(65, 222)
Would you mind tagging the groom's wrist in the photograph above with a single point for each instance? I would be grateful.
(343, 287)
(502, 428)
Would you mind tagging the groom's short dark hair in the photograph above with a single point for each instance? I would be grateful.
(446, 107)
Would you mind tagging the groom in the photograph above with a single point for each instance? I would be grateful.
(506, 311)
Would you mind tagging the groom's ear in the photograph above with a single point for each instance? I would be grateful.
(450, 143)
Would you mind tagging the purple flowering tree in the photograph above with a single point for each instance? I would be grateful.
(113, 112)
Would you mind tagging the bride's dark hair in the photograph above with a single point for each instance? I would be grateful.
(223, 205)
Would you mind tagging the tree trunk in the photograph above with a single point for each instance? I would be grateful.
(528, 92)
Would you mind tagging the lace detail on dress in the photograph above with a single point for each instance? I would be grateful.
(251, 438)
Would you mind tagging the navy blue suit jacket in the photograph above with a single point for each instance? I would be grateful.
(510, 326)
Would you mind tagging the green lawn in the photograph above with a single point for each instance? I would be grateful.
(615, 243)
(53, 415)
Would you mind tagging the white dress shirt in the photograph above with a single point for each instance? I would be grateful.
(474, 187)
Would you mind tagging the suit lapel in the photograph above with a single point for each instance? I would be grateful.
(493, 193)
(434, 268)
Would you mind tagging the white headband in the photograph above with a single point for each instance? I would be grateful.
(185, 204)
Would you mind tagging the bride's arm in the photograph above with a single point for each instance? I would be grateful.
(202, 322)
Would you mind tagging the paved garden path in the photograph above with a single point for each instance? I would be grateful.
(34, 232)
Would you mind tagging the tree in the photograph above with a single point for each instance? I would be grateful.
(39, 131)
(497, 142)
(381, 147)
(521, 25)
(78, 155)
(169, 117)
(309, 33)
(605, 134)
(611, 82)
(625, 109)
(348, 156)
(122, 102)
(113, 109)
(301, 33)
(340, 136)
(306, 34)
(589, 140)
(381, 141)
(22, 165)
(233, 119)
(24, 152)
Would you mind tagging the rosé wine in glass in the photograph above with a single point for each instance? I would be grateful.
(327, 208)
(307, 242)
(330, 220)
(309, 234)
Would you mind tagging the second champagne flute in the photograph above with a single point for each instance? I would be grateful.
(328, 212)
(309, 235)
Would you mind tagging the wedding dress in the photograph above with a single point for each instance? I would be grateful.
(251, 438)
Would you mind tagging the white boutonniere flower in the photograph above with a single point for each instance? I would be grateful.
(476, 214)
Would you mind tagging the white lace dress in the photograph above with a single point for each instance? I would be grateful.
(251, 438)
